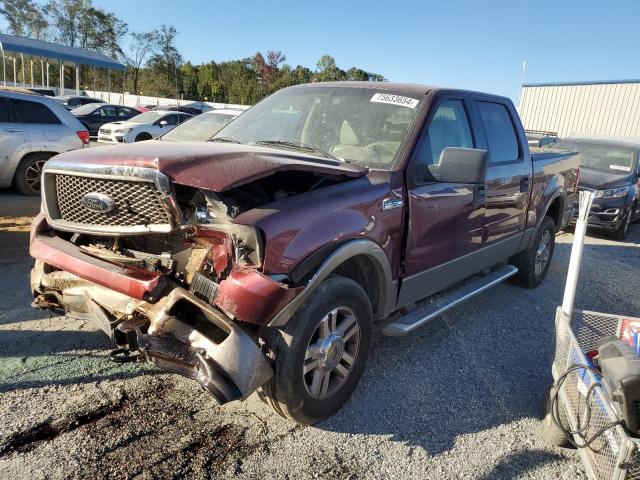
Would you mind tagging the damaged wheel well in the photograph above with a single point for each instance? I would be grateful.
(366, 273)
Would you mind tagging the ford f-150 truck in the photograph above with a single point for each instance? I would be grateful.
(264, 258)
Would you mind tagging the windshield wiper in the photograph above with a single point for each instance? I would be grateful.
(223, 140)
(298, 146)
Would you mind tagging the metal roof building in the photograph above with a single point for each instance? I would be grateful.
(598, 108)
(12, 46)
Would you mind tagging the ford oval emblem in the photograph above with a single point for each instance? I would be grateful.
(98, 202)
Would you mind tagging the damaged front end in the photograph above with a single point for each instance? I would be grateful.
(187, 295)
(179, 333)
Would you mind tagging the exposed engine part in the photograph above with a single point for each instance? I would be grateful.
(123, 355)
(195, 263)
(204, 288)
(152, 262)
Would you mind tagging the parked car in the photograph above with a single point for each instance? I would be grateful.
(71, 102)
(609, 166)
(33, 128)
(95, 115)
(179, 108)
(144, 126)
(144, 108)
(263, 258)
(203, 127)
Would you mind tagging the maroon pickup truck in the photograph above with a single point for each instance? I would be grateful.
(263, 258)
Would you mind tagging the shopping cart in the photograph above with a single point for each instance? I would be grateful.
(576, 402)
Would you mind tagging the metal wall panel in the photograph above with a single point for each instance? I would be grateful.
(600, 108)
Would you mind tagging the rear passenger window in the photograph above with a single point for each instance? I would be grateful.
(503, 143)
(108, 111)
(33, 112)
(171, 119)
(448, 128)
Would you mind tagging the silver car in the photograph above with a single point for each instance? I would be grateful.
(33, 128)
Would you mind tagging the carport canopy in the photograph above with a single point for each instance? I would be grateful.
(12, 45)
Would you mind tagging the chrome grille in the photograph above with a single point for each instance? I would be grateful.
(136, 202)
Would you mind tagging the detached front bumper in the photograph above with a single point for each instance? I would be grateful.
(179, 332)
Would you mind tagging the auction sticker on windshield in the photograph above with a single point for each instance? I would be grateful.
(622, 168)
(394, 100)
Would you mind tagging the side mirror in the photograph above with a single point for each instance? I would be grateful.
(163, 123)
(458, 165)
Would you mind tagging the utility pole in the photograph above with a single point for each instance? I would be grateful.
(524, 67)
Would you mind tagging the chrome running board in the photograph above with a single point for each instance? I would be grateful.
(425, 314)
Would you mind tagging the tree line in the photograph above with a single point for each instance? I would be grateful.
(154, 65)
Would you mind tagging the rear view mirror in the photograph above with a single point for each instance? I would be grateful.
(458, 165)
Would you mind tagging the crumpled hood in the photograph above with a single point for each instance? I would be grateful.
(208, 165)
(601, 180)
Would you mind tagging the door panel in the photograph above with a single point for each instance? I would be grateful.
(444, 224)
(14, 143)
(506, 202)
(445, 219)
(508, 176)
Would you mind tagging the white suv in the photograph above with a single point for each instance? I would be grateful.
(145, 126)
(33, 128)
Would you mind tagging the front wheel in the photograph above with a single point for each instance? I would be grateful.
(621, 232)
(533, 263)
(320, 354)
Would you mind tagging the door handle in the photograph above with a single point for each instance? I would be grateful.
(524, 184)
(479, 194)
(11, 130)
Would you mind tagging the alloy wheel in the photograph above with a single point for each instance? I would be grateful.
(542, 253)
(331, 353)
(33, 174)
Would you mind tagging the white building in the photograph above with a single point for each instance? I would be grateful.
(600, 108)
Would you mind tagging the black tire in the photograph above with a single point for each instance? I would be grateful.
(289, 392)
(531, 269)
(26, 180)
(551, 433)
(621, 233)
(142, 137)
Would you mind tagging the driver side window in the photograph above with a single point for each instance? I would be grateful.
(448, 128)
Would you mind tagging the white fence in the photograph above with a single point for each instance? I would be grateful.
(133, 100)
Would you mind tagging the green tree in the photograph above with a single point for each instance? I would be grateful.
(165, 63)
(24, 18)
(327, 70)
(141, 45)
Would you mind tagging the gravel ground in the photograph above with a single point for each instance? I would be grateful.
(462, 398)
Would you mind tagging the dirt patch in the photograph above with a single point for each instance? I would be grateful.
(15, 224)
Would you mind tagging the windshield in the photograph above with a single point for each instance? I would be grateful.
(86, 109)
(361, 125)
(612, 158)
(147, 117)
(200, 128)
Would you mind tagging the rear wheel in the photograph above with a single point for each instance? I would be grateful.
(533, 263)
(27, 177)
(320, 354)
(142, 136)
